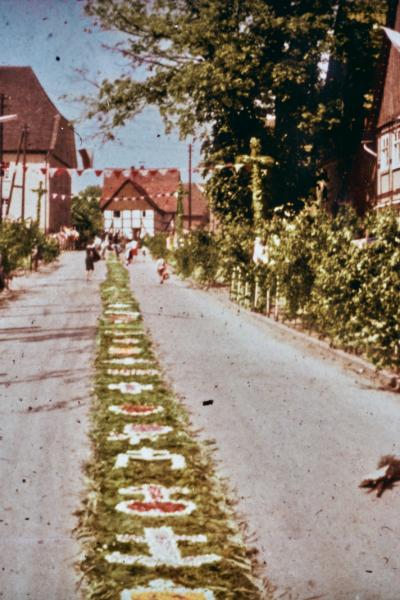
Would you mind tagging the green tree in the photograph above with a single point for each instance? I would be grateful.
(348, 94)
(86, 214)
(222, 67)
(219, 68)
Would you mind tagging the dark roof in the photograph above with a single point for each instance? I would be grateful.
(48, 130)
(390, 103)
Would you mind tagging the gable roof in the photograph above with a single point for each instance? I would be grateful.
(157, 185)
(48, 130)
(390, 103)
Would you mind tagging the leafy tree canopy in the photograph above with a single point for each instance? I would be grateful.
(219, 68)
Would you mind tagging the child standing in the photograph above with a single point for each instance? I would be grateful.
(162, 270)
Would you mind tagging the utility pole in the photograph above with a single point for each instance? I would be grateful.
(25, 135)
(190, 188)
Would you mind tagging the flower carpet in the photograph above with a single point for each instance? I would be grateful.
(156, 523)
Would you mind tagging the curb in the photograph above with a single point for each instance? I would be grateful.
(389, 380)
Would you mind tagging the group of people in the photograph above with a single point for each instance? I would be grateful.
(114, 241)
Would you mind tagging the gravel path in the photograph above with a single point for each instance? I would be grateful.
(295, 433)
(47, 336)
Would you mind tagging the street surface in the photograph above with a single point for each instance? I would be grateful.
(295, 434)
(47, 335)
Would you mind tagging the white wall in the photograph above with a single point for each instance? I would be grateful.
(33, 177)
(128, 220)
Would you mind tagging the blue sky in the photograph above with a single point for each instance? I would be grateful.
(51, 36)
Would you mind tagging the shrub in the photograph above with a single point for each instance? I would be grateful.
(18, 239)
(157, 245)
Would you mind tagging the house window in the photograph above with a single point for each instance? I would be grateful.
(396, 148)
(384, 152)
(117, 214)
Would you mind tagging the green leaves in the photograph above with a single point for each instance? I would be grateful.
(86, 214)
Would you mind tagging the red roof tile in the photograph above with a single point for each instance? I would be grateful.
(160, 186)
(147, 182)
(199, 201)
(49, 131)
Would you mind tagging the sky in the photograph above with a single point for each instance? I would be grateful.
(56, 39)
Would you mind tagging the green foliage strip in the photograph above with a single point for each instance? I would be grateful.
(229, 579)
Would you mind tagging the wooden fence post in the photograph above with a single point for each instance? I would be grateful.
(268, 302)
(256, 292)
(276, 307)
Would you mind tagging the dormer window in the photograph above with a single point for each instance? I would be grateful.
(384, 154)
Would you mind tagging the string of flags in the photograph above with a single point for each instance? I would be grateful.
(108, 172)
(123, 173)
(218, 167)
(57, 196)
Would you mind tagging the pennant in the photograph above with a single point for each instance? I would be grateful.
(394, 37)
(98, 172)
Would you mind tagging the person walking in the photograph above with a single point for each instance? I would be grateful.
(131, 250)
(91, 257)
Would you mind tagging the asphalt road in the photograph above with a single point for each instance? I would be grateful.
(47, 337)
(295, 434)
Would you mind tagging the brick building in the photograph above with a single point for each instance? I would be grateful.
(43, 139)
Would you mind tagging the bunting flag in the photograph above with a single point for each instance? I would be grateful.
(394, 37)
(218, 167)
(108, 172)
(56, 196)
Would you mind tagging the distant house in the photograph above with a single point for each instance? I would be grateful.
(42, 139)
(144, 201)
